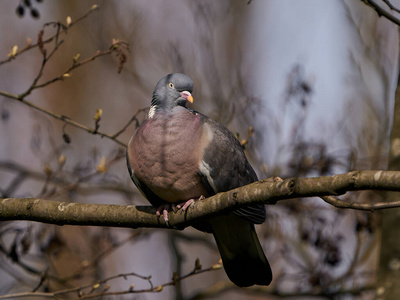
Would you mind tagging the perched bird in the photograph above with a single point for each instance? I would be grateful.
(179, 155)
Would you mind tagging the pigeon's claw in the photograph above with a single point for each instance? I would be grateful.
(184, 205)
(163, 208)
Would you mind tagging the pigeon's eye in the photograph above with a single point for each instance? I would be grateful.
(171, 85)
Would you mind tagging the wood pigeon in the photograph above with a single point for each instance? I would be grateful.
(179, 155)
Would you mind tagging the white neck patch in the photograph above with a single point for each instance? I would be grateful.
(152, 111)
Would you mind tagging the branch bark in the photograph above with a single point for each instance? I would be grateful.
(388, 268)
(267, 191)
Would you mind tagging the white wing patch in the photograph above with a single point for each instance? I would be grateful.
(205, 170)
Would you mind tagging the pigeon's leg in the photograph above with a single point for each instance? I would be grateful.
(186, 204)
(164, 209)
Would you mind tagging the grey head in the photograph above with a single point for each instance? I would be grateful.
(172, 90)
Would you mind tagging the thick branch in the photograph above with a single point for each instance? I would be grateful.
(267, 191)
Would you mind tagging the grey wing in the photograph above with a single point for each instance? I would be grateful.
(225, 167)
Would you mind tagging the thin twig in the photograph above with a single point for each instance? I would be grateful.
(101, 284)
(382, 12)
(134, 118)
(337, 202)
(63, 118)
(118, 47)
(391, 6)
(30, 46)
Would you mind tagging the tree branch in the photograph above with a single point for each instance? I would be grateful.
(118, 47)
(267, 191)
(62, 29)
(100, 288)
(63, 118)
(382, 12)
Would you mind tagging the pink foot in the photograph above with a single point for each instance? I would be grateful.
(164, 209)
(186, 204)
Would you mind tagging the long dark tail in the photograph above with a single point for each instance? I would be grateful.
(242, 255)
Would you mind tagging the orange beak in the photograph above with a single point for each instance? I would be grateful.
(188, 96)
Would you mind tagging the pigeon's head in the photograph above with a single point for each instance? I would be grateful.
(172, 90)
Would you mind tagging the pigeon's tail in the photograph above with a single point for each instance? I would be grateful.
(242, 255)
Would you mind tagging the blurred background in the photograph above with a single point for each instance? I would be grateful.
(308, 85)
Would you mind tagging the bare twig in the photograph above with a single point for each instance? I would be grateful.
(382, 12)
(81, 184)
(335, 201)
(99, 288)
(118, 47)
(77, 290)
(133, 119)
(74, 66)
(63, 118)
(391, 6)
(69, 121)
(63, 29)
